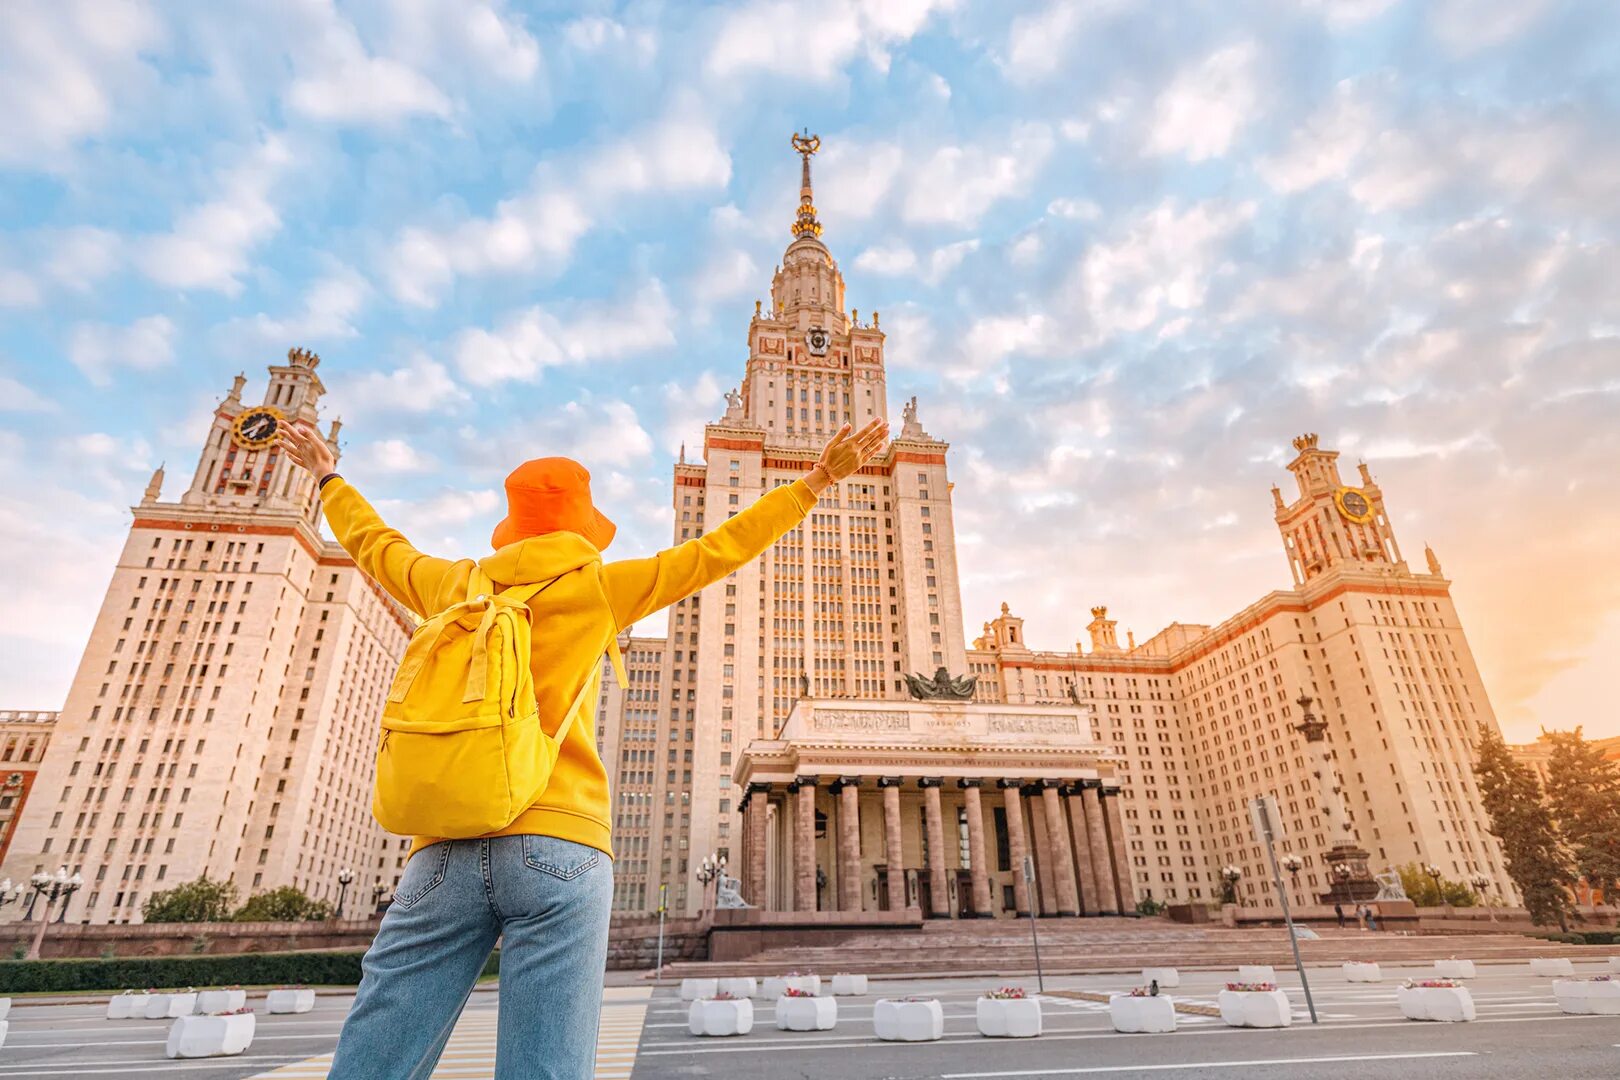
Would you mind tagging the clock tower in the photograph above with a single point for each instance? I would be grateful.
(1331, 524)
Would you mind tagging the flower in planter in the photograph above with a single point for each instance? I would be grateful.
(243, 1011)
(1006, 993)
(1140, 991)
(794, 991)
(1430, 984)
(1601, 978)
(1251, 988)
(723, 996)
(913, 999)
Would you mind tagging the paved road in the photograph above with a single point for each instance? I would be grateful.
(1519, 1033)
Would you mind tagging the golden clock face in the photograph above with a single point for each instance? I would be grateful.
(1353, 504)
(257, 428)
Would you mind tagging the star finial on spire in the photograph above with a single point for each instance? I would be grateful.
(805, 224)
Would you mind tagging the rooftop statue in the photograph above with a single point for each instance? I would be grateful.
(942, 687)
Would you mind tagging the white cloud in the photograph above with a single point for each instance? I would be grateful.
(1161, 265)
(852, 178)
(65, 68)
(420, 386)
(900, 260)
(600, 34)
(15, 397)
(78, 257)
(751, 39)
(727, 273)
(208, 247)
(1349, 12)
(1325, 146)
(463, 39)
(329, 308)
(1203, 108)
(563, 202)
(895, 259)
(529, 341)
(1039, 45)
(17, 289)
(1467, 26)
(99, 349)
(1074, 209)
(958, 183)
(367, 90)
(393, 457)
(687, 407)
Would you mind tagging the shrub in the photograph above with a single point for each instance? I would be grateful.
(1149, 906)
(286, 904)
(336, 968)
(203, 900)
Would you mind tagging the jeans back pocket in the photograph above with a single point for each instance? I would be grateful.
(562, 859)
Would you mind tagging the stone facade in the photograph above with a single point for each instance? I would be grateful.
(223, 716)
(24, 737)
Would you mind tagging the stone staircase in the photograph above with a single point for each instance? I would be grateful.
(1077, 946)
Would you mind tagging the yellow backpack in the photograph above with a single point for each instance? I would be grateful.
(462, 752)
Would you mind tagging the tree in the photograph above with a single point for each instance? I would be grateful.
(1583, 792)
(286, 904)
(1422, 890)
(1536, 859)
(203, 900)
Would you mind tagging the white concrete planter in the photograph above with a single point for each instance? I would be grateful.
(1552, 966)
(744, 986)
(1454, 969)
(1443, 1003)
(907, 1021)
(1363, 973)
(1252, 973)
(692, 989)
(1582, 997)
(775, 987)
(718, 1018)
(848, 985)
(1614, 963)
(210, 1036)
(5, 1007)
(1009, 1018)
(1167, 978)
(213, 1002)
(806, 1013)
(1136, 1015)
(168, 1006)
(1255, 1008)
(290, 1001)
(126, 1006)
(5, 1027)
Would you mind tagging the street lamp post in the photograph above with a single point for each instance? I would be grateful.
(50, 887)
(11, 894)
(711, 869)
(1481, 883)
(1232, 875)
(1293, 864)
(345, 876)
(377, 892)
(1434, 875)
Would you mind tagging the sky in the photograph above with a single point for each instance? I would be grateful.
(1123, 252)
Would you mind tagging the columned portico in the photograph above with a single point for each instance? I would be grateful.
(1120, 849)
(900, 787)
(977, 867)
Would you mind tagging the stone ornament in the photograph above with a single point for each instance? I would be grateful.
(908, 1019)
(848, 985)
(942, 686)
(804, 1013)
(1446, 1004)
(1134, 1014)
(1255, 1008)
(720, 1017)
(1008, 1018)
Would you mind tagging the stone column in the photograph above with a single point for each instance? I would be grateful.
(1017, 847)
(1039, 837)
(1122, 852)
(893, 850)
(938, 895)
(980, 868)
(847, 788)
(755, 890)
(1084, 870)
(1057, 825)
(804, 845)
(1102, 856)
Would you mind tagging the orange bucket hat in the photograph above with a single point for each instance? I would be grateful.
(547, 495)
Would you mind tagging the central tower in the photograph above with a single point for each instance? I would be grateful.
(863, 593)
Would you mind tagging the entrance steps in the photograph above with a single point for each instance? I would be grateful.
(1077, 946)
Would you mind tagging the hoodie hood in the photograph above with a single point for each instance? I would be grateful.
(539, 558)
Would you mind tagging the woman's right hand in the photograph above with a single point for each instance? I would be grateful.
(846, 452)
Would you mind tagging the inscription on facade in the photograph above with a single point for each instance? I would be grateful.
(857, 720)
(1030, 724)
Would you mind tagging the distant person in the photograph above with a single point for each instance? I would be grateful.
(1361, 916)
(1372, 918)
(543, 884)
(1338, 912)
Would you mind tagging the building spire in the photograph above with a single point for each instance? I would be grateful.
(806, 224)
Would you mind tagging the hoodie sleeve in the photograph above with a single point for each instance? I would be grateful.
(638, 587)
(385, 556)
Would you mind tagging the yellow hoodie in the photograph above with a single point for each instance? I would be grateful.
(573, 621)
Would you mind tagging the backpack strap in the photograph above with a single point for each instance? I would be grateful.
(479, 583)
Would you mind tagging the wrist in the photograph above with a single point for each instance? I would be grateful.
(320, 485)
(819, 478)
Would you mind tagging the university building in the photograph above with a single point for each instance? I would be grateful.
(808, 718)
(222, 720)
(24, 736)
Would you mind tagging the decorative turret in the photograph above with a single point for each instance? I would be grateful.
(1104, 638)
(154, 487)
(805, 224)
(1433, 560)
(1331, 525)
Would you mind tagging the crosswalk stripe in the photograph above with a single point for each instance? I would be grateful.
(470, 1053)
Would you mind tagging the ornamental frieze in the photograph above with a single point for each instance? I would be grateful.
(1033, 724)
(859, 720)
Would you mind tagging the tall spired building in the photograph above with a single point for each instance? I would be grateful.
(808, 716)
(223, 716)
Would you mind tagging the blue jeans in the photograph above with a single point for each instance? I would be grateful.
(548, 900)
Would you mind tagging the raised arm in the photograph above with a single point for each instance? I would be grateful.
(382, 553)
(638, 587)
